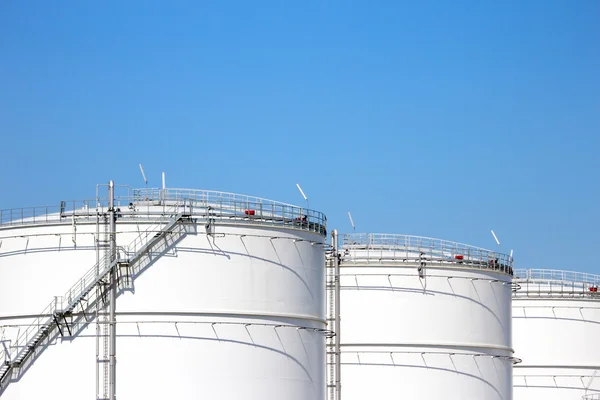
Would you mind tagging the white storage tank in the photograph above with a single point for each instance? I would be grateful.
(227, 302)
(556, 326)
(424, 318)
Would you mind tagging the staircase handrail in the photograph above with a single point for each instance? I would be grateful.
(137, 245)
(61, 304)
(43, 319)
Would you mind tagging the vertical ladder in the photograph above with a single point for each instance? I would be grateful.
(102, 326)
(330, 321)
(333, 261)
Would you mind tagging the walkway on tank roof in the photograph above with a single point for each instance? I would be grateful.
(365, 248)
(550, 283)
(206, 205)
(555, 275)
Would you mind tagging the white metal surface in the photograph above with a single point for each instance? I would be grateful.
(423, 318)
(235, 309)
(556, 326)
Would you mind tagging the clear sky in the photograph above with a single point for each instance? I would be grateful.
(441, 119)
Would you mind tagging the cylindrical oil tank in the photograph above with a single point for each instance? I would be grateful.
(424, 318)
(220, 296)
(556, 326)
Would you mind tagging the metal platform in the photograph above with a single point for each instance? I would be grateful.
(549, 283)
(211, 206)
(407, 250)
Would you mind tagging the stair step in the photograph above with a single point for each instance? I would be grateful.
(25, 350)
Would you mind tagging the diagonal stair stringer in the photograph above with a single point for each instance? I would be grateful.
(60, 317)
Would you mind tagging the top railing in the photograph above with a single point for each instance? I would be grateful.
(552, 275)
(50, 214)
(212, 196)
(207, 204)
(395, 247)
(555, 283)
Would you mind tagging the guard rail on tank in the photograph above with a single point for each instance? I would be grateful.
(556, 283)
(381, 248)
(595, 396)
(210, 205)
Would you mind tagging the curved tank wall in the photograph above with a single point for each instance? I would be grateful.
(424, 318)
(234, 308)
(556, 326)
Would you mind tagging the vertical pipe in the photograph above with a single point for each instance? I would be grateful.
(338, 362)
(97, 243)
(113, 292)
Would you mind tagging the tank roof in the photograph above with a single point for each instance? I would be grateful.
(149, 203)
(553, 275)
(550, 283)
(409, 248)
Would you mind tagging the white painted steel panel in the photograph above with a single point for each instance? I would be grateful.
(556, 326)
(445, 334)
(239, 314)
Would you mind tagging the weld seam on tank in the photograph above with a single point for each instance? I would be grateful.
(445, 266)
(230, 323)
(513, 360)
(191, 314)
(518, 299)
(227, 313)
(437, 345)
(150, 221)
(560, 366)
(489, 280)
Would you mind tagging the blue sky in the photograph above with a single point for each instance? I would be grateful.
(441, 119)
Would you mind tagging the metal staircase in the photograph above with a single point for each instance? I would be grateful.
(61, 316)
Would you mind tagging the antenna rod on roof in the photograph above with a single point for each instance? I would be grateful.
(164, 186)
(495, 237)
(144, 176)
(351, 221)
(303, 195)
